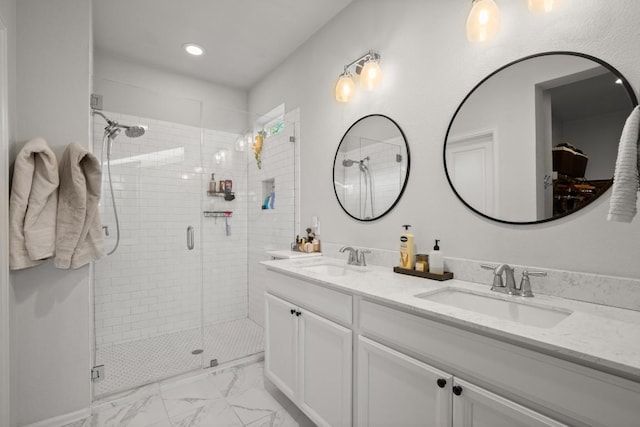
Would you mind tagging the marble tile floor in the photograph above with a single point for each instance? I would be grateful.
(233, 397)
(141, 362)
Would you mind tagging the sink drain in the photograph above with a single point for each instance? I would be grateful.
(198, 351)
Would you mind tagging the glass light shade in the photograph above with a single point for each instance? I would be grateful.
(541, 5)
(370, 76)
(345, 88)
(483, 22)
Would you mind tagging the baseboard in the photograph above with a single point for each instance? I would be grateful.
(63, 419)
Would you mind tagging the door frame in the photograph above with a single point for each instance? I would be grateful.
(4, 233)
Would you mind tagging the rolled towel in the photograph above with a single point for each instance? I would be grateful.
(79, 230)
(33, 205)
(626, 181)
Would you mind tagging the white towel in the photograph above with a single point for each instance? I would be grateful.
(79, 231)
(32, 205)
(626, 181)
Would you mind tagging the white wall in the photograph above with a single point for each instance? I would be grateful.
(429, 67)
(51, 323)
(222, 108)
(7, 137)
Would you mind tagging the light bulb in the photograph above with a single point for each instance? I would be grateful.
(537, 6)
(193, 49)
(483, 22)
(345, 88)
(371, 75)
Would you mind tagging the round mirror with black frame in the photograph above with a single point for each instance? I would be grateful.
(537, 139)
(371, 167)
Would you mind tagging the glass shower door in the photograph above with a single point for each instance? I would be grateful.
(148, 305)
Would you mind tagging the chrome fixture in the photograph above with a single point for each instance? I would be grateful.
(356, 256)
(363, 165)
(361, 259)
(368, 68)
(353, 255)
(524, 290)
(111, 131)
(498, 284)
(525, 284)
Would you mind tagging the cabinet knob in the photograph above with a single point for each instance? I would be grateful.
(441, 382)
(293, 311)
(457, 390)
(298, 313)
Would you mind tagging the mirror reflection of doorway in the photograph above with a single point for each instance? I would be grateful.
(470, 161)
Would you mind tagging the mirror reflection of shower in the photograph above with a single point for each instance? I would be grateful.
(366, 196)
(111, 131)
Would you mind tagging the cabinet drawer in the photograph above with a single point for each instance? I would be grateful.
(559, 388)
(327, 302)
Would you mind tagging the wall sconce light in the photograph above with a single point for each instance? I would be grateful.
(537, 6)
(483, 22)
(368, 68)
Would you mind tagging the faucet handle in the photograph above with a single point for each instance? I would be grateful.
(489, 267)
(361, 259)
(525, 283)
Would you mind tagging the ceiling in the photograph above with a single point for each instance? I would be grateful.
(244, 39)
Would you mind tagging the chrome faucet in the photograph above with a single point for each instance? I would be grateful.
(510, 288)
(498, 284)
(356, 256)
(353, 255)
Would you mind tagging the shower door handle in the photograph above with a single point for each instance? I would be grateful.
(190, 239)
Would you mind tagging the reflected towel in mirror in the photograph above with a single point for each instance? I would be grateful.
(626, 182)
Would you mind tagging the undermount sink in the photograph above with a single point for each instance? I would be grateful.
(515, 311)
(332, 269)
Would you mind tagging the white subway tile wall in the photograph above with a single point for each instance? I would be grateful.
(153, 285)
(272, 229)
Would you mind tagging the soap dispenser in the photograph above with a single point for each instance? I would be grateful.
(436, 260)
(407, 249)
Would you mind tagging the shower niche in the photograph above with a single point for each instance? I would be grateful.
(268, 194)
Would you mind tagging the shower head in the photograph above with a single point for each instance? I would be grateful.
(347, 163)
(133, 131)
(113, 128)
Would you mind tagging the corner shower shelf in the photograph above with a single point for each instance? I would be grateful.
(217, 214)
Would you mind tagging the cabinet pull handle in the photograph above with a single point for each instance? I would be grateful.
(457, 390)
(293, 311)
(441, 382)
(298, 313)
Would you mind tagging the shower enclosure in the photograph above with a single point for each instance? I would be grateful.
(175, 294)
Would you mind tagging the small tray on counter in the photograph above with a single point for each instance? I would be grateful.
(424, 274)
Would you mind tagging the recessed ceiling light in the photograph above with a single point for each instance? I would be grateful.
(619, 81)
(193, 49)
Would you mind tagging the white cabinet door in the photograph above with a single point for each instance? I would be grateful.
(325, 369)
(397, 390)
(476, 407)
(281, 340)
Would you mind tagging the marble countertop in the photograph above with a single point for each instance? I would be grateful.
(597, 336)
(285, 254)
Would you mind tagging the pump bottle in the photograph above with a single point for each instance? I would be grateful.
(436, 260)
(407, 249)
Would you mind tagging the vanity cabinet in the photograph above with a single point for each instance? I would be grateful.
(533, 382)
(474, 406)
(309, 357)
(395, 389)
